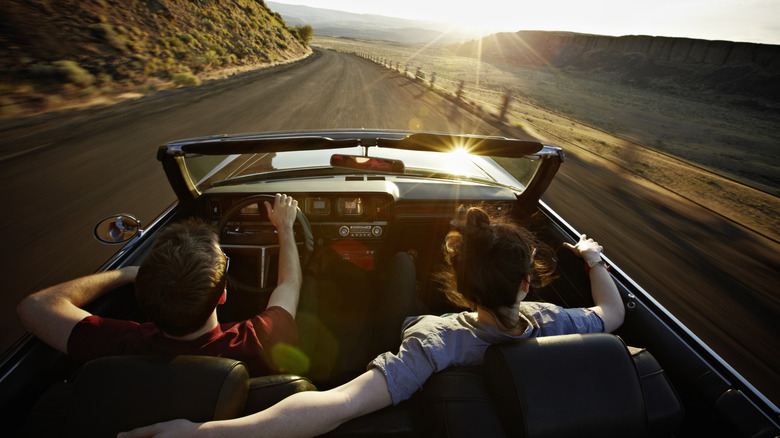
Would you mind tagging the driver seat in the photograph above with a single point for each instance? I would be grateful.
(119, 393)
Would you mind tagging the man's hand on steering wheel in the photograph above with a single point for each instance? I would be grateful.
(282, 214)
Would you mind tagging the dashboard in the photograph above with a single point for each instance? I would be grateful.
(332, 216)
(357, 219)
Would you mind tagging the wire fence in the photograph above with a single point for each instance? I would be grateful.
(507, 106)
(493, 102)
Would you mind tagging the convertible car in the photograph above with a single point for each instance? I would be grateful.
(365, 196)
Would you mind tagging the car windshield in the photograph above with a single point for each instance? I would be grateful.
(206, 170)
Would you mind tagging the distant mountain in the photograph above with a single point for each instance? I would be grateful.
(329, 22)
(724, 66)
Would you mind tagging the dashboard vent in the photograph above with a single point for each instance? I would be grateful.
(354, 178)
(376, 178)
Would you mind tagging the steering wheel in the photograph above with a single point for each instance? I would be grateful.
(245, 230)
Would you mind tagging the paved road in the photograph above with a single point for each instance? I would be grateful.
(65, 172)
(84, 166)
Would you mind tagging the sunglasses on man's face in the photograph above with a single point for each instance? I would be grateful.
(227, 262)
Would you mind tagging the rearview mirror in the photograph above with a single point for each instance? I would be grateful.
(117, 229)
(367, 163)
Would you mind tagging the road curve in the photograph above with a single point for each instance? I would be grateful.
(64, 172)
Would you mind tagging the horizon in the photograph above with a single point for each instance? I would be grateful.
(749, 21)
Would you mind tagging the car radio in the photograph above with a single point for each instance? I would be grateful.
(361, 230)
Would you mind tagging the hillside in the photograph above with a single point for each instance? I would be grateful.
(60, 53)
(750, 70)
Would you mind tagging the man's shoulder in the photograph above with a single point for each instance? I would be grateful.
(103, 322)
(272, 325)
(271, 315)
(94, 326)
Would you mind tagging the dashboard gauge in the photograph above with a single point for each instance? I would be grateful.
(350, 206)
(317, 205)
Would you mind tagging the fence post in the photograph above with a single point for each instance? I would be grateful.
(505, 105)
(433, 79)
(459, 93)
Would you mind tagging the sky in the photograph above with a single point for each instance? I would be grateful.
(755, 21)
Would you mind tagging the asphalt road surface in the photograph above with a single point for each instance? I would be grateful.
(63, 172)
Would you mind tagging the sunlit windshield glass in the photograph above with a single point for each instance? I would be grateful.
(205, 170)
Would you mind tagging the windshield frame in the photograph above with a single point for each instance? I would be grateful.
(189, 180)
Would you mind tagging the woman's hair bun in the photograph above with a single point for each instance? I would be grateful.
(476, 221)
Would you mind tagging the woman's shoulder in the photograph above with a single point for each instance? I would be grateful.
(437, 322)
(440, 328)
(549, 318)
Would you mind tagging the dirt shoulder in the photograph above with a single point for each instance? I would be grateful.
(749, 207)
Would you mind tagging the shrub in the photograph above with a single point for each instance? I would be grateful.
(70, 71)
(133, 45)
(107, 32)
(240, 48)
(205, 59)
(304, 33)
(172, 42)
(208, 25)
(43, 70)
(104, 78)
(186, 80)
(89, 91)
(146, 88)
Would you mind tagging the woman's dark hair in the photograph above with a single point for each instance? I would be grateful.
(181, 280)
(487, 259)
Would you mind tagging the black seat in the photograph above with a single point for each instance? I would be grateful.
(457, 403)
(583, 385)
(570, 385)
(118, 393)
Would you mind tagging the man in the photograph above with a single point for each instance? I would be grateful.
(178, 286)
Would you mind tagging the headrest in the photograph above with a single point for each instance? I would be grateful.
(569, 385)
(119, 393)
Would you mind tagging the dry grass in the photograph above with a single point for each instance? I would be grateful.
(79, 52)
(716, 150)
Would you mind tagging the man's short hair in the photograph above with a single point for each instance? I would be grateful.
(182, 279)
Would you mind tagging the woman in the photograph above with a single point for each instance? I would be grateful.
(492, 266)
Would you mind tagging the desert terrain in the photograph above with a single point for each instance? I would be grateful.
(718, 150)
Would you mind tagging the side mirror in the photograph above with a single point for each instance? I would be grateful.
(117, 229)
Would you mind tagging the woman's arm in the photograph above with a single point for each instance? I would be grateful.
(607, 300)
(303, 414)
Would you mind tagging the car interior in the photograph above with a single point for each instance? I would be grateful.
(347, 241)
(369, 236)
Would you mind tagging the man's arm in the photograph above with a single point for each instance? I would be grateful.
(607, 300)
(52, 313)
(288, 289)
(303, 414)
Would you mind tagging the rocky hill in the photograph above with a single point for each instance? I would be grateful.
(662, 62)
(55, 53)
